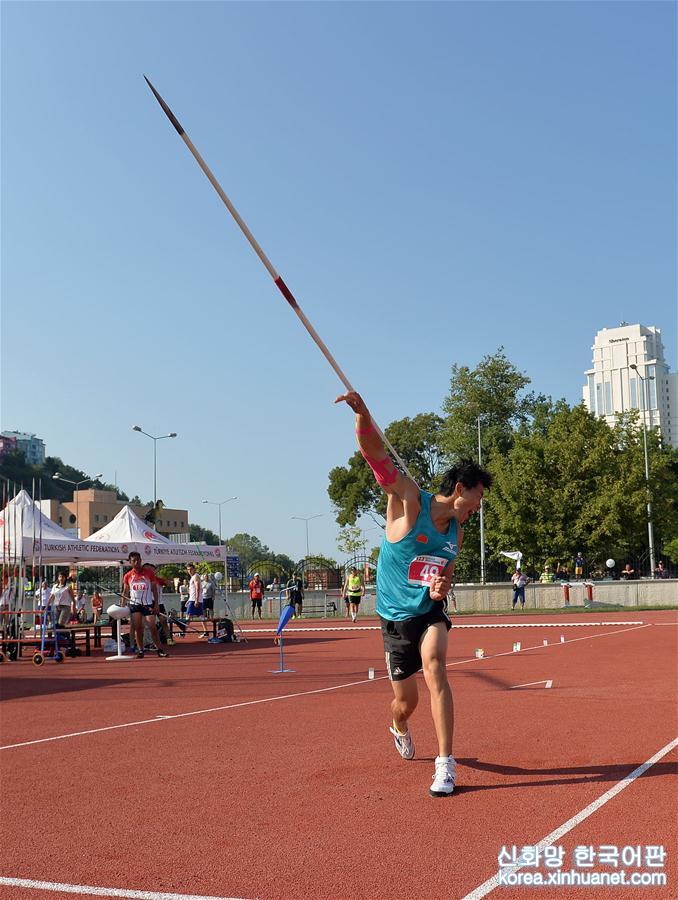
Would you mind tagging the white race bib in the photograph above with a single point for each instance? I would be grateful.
(423, 569)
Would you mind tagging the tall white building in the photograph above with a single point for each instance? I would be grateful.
(612, 386)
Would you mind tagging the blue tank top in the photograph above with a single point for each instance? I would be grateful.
(406, 566)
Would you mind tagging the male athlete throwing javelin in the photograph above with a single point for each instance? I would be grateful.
(416, 563)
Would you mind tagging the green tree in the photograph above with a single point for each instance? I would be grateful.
(200, 534)
(318, 561)
(492, 390)
(353, 489)
(170, 571)
(350, 540)
(577, 484)
(282, 562)
(14, 467)
(249, 548)
(671, 549)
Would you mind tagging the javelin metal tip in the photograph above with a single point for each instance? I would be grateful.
(168, 112)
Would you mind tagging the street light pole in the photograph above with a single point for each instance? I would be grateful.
(307, 520)
(155, 439)
(58, 477)
(482, 516)
(219, 504)
(650, 530)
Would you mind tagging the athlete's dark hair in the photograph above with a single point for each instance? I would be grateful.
(466, 471)
(133, 553)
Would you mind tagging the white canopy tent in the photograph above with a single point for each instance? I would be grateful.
(26, 533)
(128, 530)
(22, 516)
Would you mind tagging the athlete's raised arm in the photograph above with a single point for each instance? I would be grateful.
(372, 448)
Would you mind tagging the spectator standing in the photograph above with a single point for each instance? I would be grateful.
(208, 595)
(163, 626)
(546, 576)
(63, 600)
(661, 571)
(628, 573)
(44, 594)
(194, 607)
(354, 590)
(450, 602)
(579, 566)
(183, 596)
(256, 587)
(344, 594)
(81, 605)
(97, 606)
(519, 579)
(295, 587)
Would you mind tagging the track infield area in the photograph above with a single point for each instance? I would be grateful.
(206, 775)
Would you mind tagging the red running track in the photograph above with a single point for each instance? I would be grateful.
(288, 786)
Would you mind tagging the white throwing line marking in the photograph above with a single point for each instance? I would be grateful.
(104, 891)
(588, 637)
(195, 712)
(548, 684)
(336, 687)
(491, 883)
(455, 626)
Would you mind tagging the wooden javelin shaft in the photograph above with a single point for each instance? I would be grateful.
(280, 284)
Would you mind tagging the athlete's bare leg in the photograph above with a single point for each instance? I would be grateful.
(405, 699)
(434, 655)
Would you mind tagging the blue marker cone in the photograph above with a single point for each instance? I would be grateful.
(285, 615)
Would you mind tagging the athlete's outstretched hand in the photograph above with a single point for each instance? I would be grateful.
(440, 586)
(355, 401)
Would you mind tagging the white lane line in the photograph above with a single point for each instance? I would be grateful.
(104, 891)
(336, 687)
(455, 626)
(487, 886)
(588, 637)
(195, 712)
(547, 684)
(319, 628)
(546, 624)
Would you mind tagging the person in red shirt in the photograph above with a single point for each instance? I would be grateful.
(141, 593)
(97, 606)
(256, 593)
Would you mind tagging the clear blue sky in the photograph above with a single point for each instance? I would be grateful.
(431, 180)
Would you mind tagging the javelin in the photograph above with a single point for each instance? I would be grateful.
(280, 284)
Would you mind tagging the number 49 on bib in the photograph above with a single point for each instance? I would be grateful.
(423, 569)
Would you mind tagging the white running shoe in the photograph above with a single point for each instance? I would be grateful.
(403, 742)
(444, 777)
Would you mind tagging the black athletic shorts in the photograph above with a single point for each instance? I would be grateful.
(256, 602)
(144, 610)
(402, 640)
(208, 603)
(354, 599)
